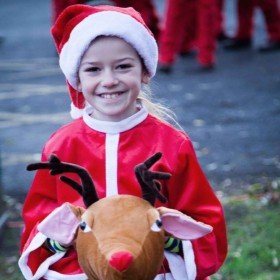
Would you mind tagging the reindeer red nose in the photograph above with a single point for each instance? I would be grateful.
(121, 260)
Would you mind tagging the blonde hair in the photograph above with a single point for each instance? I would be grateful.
(157, 109)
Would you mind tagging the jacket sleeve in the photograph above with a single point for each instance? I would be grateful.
(189, 192)
(35, 261)
(40, 201)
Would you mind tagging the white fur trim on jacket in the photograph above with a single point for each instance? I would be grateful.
(43, 270)
(182, 268)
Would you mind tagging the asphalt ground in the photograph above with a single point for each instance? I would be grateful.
(232, 113)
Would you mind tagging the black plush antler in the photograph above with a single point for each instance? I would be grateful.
(147, 179)
(86, 189)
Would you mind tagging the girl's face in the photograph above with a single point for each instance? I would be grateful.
(110, 77)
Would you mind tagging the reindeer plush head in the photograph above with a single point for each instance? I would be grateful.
(122, 236)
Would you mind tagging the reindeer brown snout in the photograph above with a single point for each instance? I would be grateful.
(121, 260)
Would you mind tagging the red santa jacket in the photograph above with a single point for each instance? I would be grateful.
(110, 151)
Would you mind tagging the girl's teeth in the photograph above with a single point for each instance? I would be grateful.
(110, 96)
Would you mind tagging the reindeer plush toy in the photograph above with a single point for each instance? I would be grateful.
(121, 236)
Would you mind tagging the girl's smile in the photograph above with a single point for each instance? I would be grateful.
(111, 75)
(110, 95)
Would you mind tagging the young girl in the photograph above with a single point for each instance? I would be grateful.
(107, 54)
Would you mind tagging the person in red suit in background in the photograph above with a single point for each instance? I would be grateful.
(245, 25)
(59, 5)
(147, 10)
(189, 24)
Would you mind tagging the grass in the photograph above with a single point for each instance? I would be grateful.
(9, 242)
(253, 226)
(253, 233)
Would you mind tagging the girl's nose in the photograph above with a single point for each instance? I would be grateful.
(109, 79)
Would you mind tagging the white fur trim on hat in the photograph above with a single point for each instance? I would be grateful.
(107, 23)
(75, 112)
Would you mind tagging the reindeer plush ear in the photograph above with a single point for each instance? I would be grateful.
(61, 224)
(182, 226)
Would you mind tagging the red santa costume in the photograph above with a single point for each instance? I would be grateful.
(147, 10)
(245, 24)
(59, 5)
(110, 151)
(271, 14)
(187, 17)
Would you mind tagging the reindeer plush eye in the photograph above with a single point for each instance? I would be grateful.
(84, 227)
(156, 227)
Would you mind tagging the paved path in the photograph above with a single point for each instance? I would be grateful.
(232, 114)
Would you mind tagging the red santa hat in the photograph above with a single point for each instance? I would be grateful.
(79, 25)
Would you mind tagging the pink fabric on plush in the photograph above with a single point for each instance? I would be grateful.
(177, 224)
(60, 225)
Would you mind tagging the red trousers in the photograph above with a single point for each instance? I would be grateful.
(270, 10)
(186, 22)
(147, 10)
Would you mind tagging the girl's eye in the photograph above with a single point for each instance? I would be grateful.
(124, 66)
(92, 69)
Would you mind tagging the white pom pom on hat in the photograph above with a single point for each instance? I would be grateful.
(79, 25)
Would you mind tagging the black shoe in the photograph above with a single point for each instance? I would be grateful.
(165, 69)
(237, 44)
(222, 37)
(207, 67)
(270, 46)
(187, 53)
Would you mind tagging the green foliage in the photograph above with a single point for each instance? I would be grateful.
(254, 239)
(10, 239)
(9, 269)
